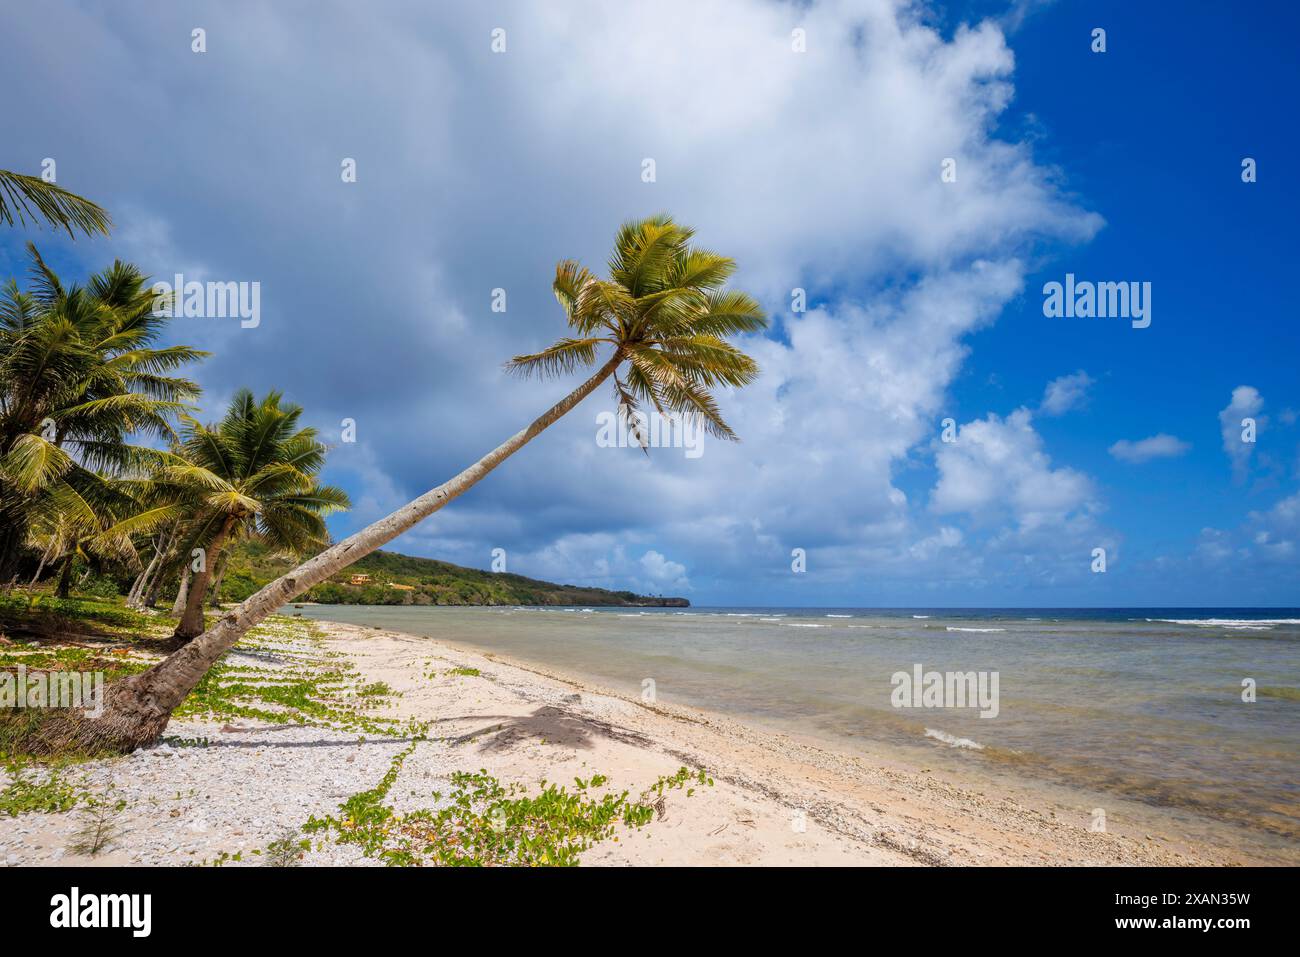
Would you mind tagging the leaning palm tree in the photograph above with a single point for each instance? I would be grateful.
(253, 475)
(663, 311)
(23, 197)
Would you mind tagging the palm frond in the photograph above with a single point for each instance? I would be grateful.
(730, 312)
(696, 404)
(196, 476)
(23, 197)
(562, 357)
(570, 280)
(33, 462)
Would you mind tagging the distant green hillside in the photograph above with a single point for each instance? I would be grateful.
(424, 581)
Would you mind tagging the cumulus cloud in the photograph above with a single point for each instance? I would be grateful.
(1159, 446)
(999, 465)
(1066, 393)
(664, 573)
(1272, 537)
(1246, 404)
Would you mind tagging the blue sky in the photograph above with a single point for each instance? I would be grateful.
(818, 170)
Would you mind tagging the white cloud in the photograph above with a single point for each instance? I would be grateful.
(1278, 530)
(1246, 403)
(1066, 393)
(998, 466)
(664, 573)
(1258, 557)
(600, 559)
(1159, 446)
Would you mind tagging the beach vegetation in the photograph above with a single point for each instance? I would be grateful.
(484, 823)
(100, 826)
(44, 790)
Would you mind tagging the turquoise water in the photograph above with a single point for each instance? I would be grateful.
(1145, 704)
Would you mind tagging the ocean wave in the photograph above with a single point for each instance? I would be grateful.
(920, 616)
(1228, 622)
(797, 624)
(953, 740)
(839, 616)
(955, 628)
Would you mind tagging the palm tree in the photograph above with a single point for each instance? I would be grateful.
(79, 375)
(96, 522)
(253, 475)
(24, 196)
(663, 311)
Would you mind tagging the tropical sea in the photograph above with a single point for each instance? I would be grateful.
(1145, 704)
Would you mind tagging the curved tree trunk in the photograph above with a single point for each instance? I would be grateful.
(41, 567)
(183, 590)
(191, 625)
(136, 709)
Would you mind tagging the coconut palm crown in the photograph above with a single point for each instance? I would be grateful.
(665, 311)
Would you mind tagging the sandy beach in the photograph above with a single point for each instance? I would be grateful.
(222, 791)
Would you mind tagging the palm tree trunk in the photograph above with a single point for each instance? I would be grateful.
(161, 544)
(183, 591)
(135, 587)
(214, 590)
(191, 625)
(12, 535)
(41, 567)
(65, 577)
(150, 596)
(46, 556)
(136, 709)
